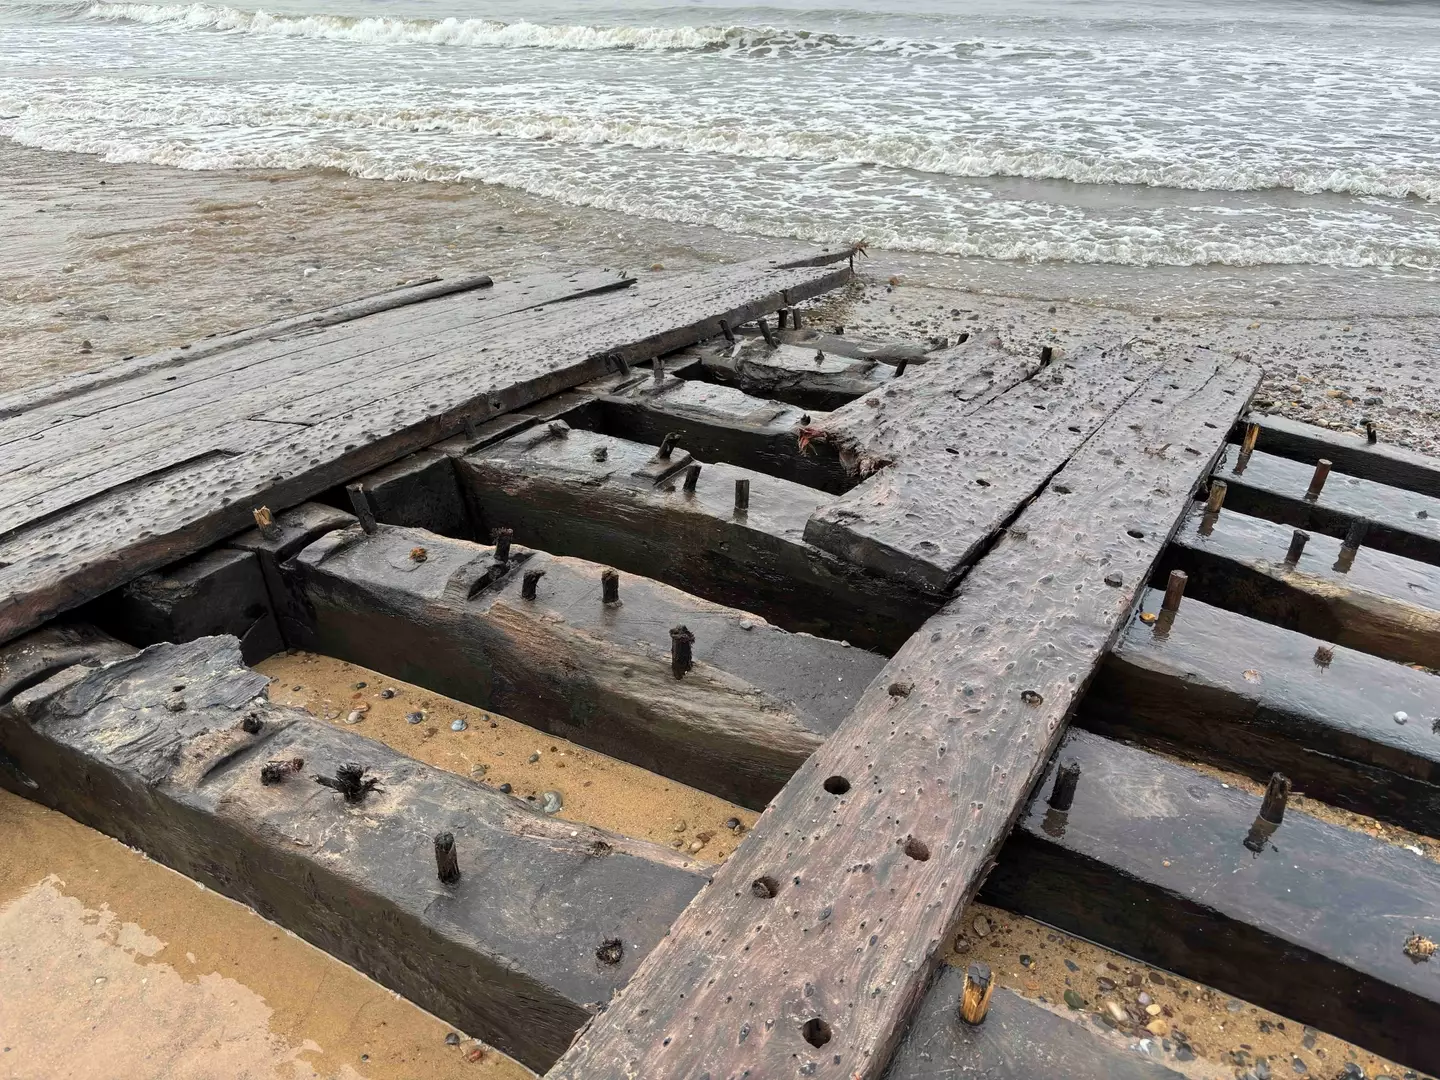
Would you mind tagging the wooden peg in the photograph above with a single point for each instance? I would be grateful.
(1277, 793)
(447, 863)
(725, 329)
(1371, 435)
(692, 476)
(657, 371)
(360, 503)
(1354, 537)
(1317, 481)
(609, 587)
(795, 317)
(1252, 436)
(528, 583)
(975, 998)
(503, 536)
(1062, 795)
(742, 494)
(667, 444)
(767, 333)
(1174, 591)
(900, 367)
(265, 522)
(1298, 540)
(681, 655)
(1218, 491)
(780, 317)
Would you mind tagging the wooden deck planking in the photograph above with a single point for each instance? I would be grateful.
(868, 856)
(58, 564)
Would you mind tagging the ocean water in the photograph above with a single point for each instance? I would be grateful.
(1302, 136)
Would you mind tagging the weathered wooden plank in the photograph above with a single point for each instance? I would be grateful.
(1401, 522)
(885, 352)
(924, 518)
(581, 494)
(51, 650)
(1378, 461)
(720, 423)
(31, 399)
(509, 953)
(294, 529)
(755, 704)
(805, 378)
(1019, 1040)
(869, 855)
(1173, 866)
(1344, 726)
(60, 564)
(1383, 604)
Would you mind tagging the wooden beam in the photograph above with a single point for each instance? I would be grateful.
(1376, 602)
(1344, 726)
(1174, 867)
(596, 497)
(166, 751)
(1400, 522)
(294, 529)
(756, 702)
(1352, 455)
(803, 377)
(856, 348)
(834, 910)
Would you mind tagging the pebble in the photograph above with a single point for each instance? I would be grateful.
(1106, 985)
(387, 693)
(1299, 1066)
(416, 717)
(452, 1039)
(533, 758)
(1184, 1053)
(696, 845)
(1145, 998)
(1152, 1009)
(732, 823)
(506, 789)
(175, 703)
(1401, 717)
(458, 724)
(1072, 965)
(358, 686)
(1114, 580)
(1117, 1011)
(1074, 1000)
(479, 769)
(356, 715)
(1158, 1027)
(981, 925)
(1234, 1006)
(551, 802)
(679, 826)
(1026, 961)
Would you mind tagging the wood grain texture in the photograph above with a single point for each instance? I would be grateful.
(1384, 604)
(1252, 696)
(804, 377)
(59, 563)
(936, 759)
(1378, 461)
(508, 954)
(1168, 864)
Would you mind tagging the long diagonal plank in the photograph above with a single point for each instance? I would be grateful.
(61, 562)
(815, 941)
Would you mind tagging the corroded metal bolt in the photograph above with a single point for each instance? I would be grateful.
(1298, 540)
(503, 536)
(1317, 481)
(1277, 793)
(742, 494)
(681, 656)
(609, 587)
(692, 476)
(360, 503)
(1062, 795)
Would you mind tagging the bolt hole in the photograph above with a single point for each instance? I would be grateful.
(817, 1032)
(611, 951)
(917, 849)
(1037, 405)
(962, 339)
(1061, 489)
(982, 483)
(837, 785)
(1045, 354)
(1138, 534)
(1075, 428)
(952, 450)
(765, 887)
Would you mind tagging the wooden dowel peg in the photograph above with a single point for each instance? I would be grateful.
(1174, 591)
(667, 444)
(360, 503)
(1354, 537)
(265, 522)
(692, 476)
(1247, 447)
(767, 333)
(795, 317)
(1298, 540)
(681, 655)
(447, 862)
(609, 587)
(528, 583)
(657, 370)
(1218, 491)
(900, 367)
(1277, 793)
(975, 997)
(780, 317)
(1062, 795)
(725, 329)
(503, 536)
(742, 494)
(1317, 481)
(1371, 435)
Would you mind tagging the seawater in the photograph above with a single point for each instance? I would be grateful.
(1288, 134)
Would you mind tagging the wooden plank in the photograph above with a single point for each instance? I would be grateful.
(805, 378)
(51, 650)
(507, 954)
(856, 348)
(294, 529)
(1383, 604)
(1019, 1040)
(1252, 696)
(30, 399)
(1401, 522)
(720, 423)
(57, 565)
(1378, 461)
(1308, 919)
(554, 491)
(925, 518)
(820, 974)
(755, 704)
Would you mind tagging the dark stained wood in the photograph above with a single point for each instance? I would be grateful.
(803, 377)
(753, 706)
(1401, 522)
(51, 650)
(1378, 461)
(1384, 604)
(295, 529)
(1019, 1040)
(932, 767)
(1252, 696)
(554, 492)
(1170, 866)
(856, 348)
(60, 563)
(506, 954)
(951, 486)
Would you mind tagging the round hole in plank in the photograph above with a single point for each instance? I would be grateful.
(917, 849)
(952, 450)
(1138, 534)
(816, 1031)
(982, 483)
(962, 339)
(1046, 354)
(837, 785)
(765, 887)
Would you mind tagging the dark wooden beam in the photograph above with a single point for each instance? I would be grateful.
(1352, 455)
(1377, 602)
(294, 529)
(1172, 866)
(1400, 522)
(1344, 726)
(753, 706)
(817, 938)
(164, 752)
(596, 497)
(801, 376)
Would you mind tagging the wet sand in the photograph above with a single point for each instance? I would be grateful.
(115, 966)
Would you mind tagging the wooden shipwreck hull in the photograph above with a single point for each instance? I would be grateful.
(961, 623)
